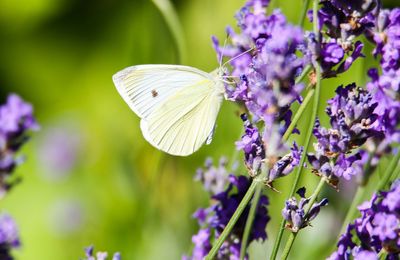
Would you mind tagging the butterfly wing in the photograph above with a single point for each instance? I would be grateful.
(186, 119)
(145, 87)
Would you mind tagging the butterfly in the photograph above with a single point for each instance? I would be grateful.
(178, 105)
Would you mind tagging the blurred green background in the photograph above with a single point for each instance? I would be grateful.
(89, 177)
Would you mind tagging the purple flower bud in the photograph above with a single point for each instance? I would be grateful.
(332, 53)
(295, 215)
(301, 192)
(286, 164)
(316, 209)
(89, 251)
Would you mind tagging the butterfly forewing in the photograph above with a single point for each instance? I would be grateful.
(145, 87)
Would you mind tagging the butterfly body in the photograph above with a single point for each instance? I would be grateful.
(178, 105)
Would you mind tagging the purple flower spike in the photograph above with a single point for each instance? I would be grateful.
(353, 120)
(340, 22)
(266, 57)
(214, 219)
(385, 86)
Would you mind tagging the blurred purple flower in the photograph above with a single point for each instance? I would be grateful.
(9, 236)
(332, 53)
(16, 119)
(59, 151)
(214, 178)
(66, 217)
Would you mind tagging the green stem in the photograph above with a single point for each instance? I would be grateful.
(302, 160)
(292, 125)
(302, 107)
(278, 239)
(296, 118)
(396, 173)
(293, 235)
(289, 244)
(298, 114)
(233, 219)
(167, 10)
(368, 170)
(358, 197)
(308, 137)
(304, 12)
(382, 254)
(250, 219)
(388, 172)
(304, 73)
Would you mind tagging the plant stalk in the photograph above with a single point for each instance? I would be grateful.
(233, 220)
(308, 137)
(250, 220)
(293, 235)
(394, 162)
(304, 13)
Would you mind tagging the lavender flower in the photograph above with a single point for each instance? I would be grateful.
(90, 255)
(385, 88)
(16, 119)
(352, 118)
(9, 236)
(267, 74)
(377, 229)
(265, 59)
(343, 21)
(214, 219)
(295, 214)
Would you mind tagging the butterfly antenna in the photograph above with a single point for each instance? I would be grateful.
(237, 56)
(223, 51)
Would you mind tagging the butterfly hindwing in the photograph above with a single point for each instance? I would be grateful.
(185, 120)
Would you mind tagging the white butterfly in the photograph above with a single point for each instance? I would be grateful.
(178, 105)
